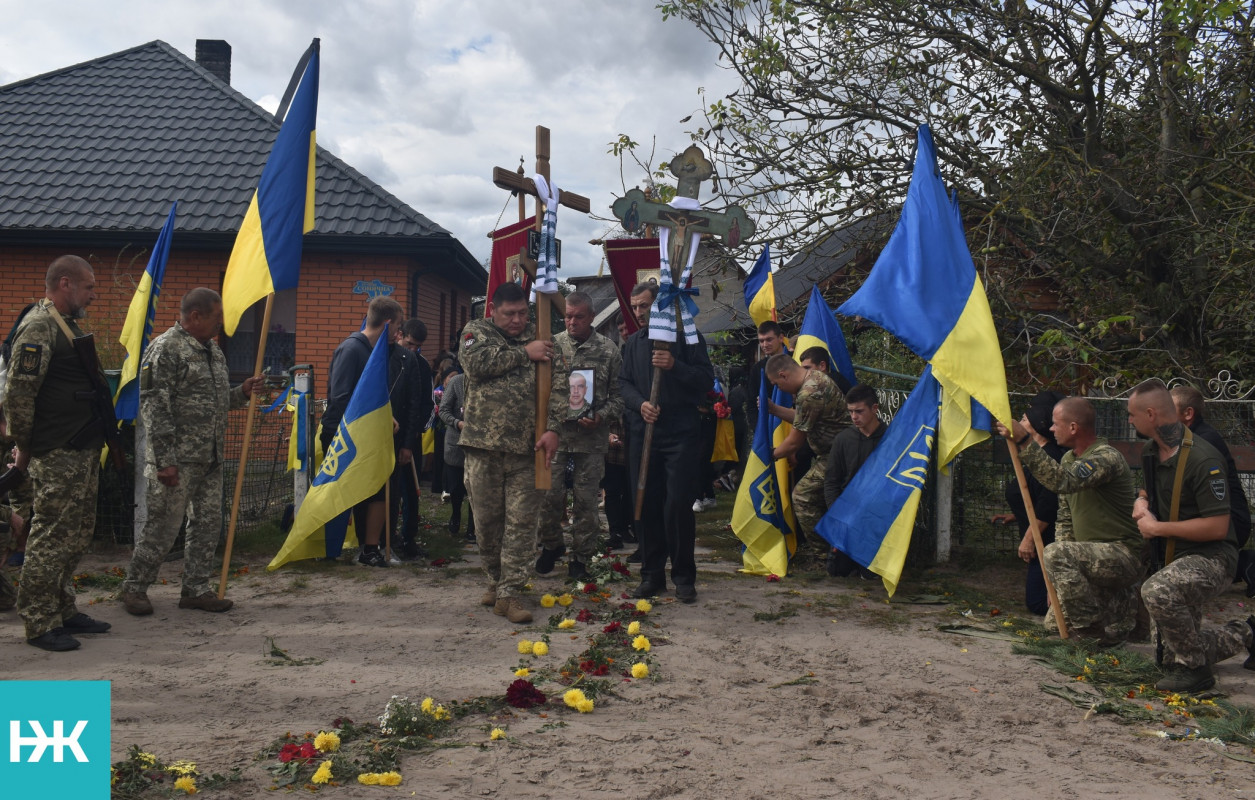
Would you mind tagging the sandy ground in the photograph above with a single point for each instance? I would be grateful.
(897, 708)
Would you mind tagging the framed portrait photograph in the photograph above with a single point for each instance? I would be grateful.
(581, 394)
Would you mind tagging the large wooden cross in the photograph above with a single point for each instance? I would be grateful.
(635, 209)
(518, 183)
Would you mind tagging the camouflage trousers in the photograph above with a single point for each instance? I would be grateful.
(198, 498)
(586, 531)
(8, 592)
(63, 518)
(1096, 583)
(504, 499)
(809, 507)
(1175, 596)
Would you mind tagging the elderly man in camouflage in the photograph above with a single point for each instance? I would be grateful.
(1094, 560)
(817, 416)
(583, 440)
(58, 432)
(498, 439)
(184, 399)
(1199, 545)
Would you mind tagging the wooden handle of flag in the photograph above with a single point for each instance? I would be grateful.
(1033, 528)
(248, 437)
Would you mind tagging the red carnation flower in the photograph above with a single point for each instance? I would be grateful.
(524, 694)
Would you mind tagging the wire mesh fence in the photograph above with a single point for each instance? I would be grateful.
(265, 496)
(983, 473)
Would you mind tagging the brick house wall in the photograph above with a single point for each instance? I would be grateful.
(324, 311)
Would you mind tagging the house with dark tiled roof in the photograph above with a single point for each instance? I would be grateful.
(93, 155)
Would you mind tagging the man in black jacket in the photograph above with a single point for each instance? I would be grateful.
(850, 449)
(347, 363)
(667, 526)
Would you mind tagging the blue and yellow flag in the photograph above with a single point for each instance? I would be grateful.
(762, 517)
(760, 291)
(138, 328)
(820, 329)
(872, 520)
(356, 465)
(924, 289)
(267, 253)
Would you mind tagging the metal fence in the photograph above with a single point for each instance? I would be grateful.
(982, 473)
(266, 493)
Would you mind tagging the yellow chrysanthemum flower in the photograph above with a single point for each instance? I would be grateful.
(146, 759)
(496, 734)
(566, 624)
(565, 599)
(540, 649)
(525, 646)
(180, 768)
(322, 774)
(640, 643)
(644, 606)
(640, 670)
(634, 628)
(368, 778)
(441, 713)
(574, 697)
(585, 706)
(427, 705)
(547, 600)
(327, 742)
(522, 673)
(186, 784)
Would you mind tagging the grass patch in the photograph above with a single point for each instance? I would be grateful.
(262, 540)
(297, 583)
(387, 590)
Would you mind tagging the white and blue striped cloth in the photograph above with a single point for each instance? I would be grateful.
(662, 327)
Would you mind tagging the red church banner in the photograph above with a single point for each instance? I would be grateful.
(632, 261)
(504, 266)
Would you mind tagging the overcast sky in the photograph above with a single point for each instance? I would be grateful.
(426, 96)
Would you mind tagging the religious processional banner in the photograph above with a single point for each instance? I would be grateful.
(631, 261)
(504, 265)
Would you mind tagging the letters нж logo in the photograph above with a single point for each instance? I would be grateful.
(40, 741)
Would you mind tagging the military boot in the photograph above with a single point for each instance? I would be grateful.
(512, 608)
(137, 603)
(1184, 680)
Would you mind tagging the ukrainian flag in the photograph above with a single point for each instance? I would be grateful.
(358, 462)
(872, 520)
(820, 329)
(924, 289)
(760, 292)
(267, 253)
(762, 517)
(138, 328)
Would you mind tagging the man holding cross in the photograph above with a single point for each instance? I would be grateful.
(668, 528)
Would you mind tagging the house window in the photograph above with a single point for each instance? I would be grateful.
(241, 349)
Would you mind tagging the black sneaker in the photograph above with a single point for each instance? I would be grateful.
(576, 570)
(81, 623)
(470, 535)
(54, 641)
(614, 542)
(647, 589)
(372, 558)
(635, 558)
(544, 564)
(686, 593)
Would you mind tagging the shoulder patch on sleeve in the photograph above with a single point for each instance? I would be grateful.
(468, 341)
(146, 376)
(1084, 468)
(1219, 487)
(28, 359)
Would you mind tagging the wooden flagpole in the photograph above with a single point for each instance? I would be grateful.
(1033, 528)
(248, 436)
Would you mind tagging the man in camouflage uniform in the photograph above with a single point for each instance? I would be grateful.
(1200, 547)
(817, 416)
(184, 399)
(49, 408)
(1094, 560)
(498, 439)
(583, 440)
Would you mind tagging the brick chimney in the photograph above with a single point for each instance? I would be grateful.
(215, 56)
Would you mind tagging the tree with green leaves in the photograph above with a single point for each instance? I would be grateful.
(1105, 149)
